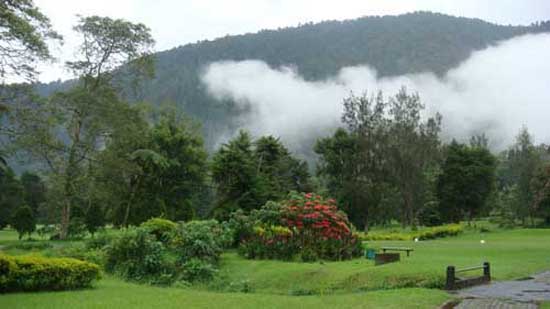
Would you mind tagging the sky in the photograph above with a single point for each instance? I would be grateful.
(178, 22)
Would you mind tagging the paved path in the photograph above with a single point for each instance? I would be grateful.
(508, 294)
(488, 303)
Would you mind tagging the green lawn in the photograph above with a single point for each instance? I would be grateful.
(512, 254)
(114, 293)
(350, 284)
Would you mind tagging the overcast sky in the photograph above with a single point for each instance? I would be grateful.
(177, 22)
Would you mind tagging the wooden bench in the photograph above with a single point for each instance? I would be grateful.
(455, 283)
(408, 250)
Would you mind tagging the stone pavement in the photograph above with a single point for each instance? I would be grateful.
(508, 294)
(491, 303)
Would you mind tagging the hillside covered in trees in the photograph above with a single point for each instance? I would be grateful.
(393, 45)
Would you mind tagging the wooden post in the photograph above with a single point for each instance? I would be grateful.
(487, 271)
(450, 278)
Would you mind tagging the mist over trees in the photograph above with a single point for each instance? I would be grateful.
(96, 159)
(392, 45)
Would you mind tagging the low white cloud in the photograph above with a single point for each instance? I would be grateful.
(495, 91)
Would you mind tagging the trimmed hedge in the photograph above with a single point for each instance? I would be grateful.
(35, 273)
(424, 234)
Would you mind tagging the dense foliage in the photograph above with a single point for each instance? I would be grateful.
(466, 181)
(422, 234)
(383, 157)
(137, 255)
(33, 273)
(304, 225)
(24, 32)
(163, 252)
(249, 173)
(23, 221)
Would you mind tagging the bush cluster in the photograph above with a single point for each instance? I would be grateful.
(306, 226)
(162, 252)
(34, 273)
(163, 229)
(136, 255)
(424, 234)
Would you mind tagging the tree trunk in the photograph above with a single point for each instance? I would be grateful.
(130, 201)
(65, 219)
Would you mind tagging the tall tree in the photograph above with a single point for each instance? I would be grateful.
(412, 148)
(248, 173)
(389, 149)
(466, 181)
(24, 34)
(11, 196)
(519, 167)
(67, 130)
(279, 170)
(541, 191)
(234, 171)
(23, 221)
(34, 191)
(340, 165)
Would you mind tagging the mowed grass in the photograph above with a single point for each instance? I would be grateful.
(114, 293)
(349, 284)
(512, 254)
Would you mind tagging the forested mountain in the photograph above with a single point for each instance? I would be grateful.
(393, 45)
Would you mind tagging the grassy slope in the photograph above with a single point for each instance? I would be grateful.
(113, 293)
(512, 254)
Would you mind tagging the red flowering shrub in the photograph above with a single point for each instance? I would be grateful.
(304, 225)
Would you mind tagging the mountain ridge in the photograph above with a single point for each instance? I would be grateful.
(393, 45)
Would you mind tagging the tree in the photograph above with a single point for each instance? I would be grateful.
(24, 33)
(541, 191)
(150, 171)
(339, 164)
(466, 181)
(94, 219)
(34, 191)
(248, 173)
(3, 165)
(11, 196)
(23, 221)
(178, 175)
(412, 148)
(278, 169)
(68, 130)
(520, 164)
(234, 171)
(387, 149)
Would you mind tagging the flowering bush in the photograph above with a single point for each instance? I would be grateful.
(304, 225)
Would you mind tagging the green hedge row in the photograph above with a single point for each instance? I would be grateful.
(424, 234)
(34, 273)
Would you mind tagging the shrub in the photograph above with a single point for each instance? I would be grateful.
(45, 230)
(94, 219)
(198, 270)
(198, 246)
(423, 234)
(304, 225)
(30, 246)
(161, 228)
(100, 241)
(23, 221)
(33, 273)
(80, 252)
(136, 255)
(198, 240)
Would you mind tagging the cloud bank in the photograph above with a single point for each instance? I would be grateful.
(495, 91)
